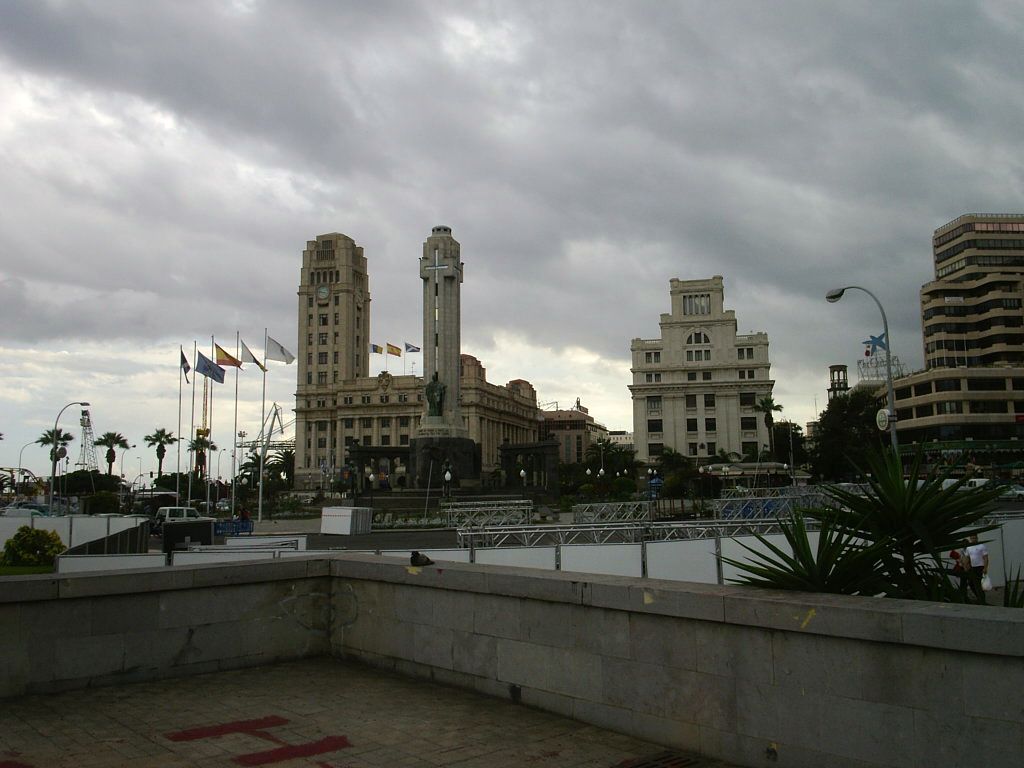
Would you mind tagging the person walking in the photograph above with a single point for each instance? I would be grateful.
(975, 565)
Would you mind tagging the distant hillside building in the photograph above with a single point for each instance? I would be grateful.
(574, 430)
(969, 399)
(695, 388)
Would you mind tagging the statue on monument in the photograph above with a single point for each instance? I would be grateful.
(435, 396)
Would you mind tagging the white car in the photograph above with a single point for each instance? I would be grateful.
(1012, 493)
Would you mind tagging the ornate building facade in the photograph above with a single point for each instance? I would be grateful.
(695, 388)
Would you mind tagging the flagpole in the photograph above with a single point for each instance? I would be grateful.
(209, 431)
(234, 432)
(177, 469)
(263, 419)
(192, 425)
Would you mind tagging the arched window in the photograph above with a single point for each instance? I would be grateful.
(703, 352)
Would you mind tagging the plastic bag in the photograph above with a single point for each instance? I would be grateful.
(986, 583)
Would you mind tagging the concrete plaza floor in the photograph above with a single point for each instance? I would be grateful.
(317, 712)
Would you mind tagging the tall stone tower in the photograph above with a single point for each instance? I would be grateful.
(333, 346)
(442, 443)
(441, 273)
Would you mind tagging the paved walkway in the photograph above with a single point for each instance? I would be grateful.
(318, 712)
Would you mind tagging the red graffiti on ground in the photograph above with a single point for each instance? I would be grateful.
(255, 728)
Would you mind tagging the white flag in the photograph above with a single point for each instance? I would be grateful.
(276, 352)
(247, 356)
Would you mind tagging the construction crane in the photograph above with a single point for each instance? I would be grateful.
(87, 458)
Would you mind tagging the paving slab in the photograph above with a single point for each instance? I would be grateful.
(316, 712)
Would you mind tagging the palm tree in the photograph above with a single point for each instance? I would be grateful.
(199, 446)
(282, 461)
(767, 406)
(112, 441)
(160, 438)
(58, 442)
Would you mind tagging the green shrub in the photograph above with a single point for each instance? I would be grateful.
(32, 546)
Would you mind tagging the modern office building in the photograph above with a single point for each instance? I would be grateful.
(338, 405)
(969, 399)
(695, 388)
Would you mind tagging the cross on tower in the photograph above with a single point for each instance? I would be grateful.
(435, 269)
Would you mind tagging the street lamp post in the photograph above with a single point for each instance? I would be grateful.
(53, 455)
(21, 471)
(522, 476)
(835, 295)
(372, 478)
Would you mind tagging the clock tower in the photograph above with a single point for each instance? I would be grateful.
(333, 345)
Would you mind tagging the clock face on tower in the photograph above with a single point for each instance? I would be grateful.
(322, 294)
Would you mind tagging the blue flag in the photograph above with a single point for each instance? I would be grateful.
(411, 347)
(206, 367)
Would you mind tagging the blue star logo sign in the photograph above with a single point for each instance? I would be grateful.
(875, 343)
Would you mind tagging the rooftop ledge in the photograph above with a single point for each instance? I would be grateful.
(968, 628)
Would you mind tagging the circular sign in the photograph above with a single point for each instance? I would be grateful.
(882, 419)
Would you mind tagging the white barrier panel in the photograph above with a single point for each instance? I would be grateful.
(220, 556)
(732, 548)
(1013, 547)
(239, 542)
(689, 560)
(9, 526)
(82, 563)
(85, 529)
(523, 557)
(451, 555)
(609, 559)
(346, 521)
(61, 525)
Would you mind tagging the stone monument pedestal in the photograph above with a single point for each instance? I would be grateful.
(428, 457)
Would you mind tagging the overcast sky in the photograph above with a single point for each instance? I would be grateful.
(162, 165)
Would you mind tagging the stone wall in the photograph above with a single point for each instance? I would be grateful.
(102, 628)
(750, 676)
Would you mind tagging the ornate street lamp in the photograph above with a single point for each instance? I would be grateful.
(835, 295)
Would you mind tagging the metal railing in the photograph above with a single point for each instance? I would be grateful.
(611, 533)
(612, 512)
(477, 514)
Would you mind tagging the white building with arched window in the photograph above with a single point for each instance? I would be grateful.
(695, 388)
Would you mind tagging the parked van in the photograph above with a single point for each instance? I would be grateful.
(171, 514)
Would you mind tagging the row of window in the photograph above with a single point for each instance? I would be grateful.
(956, 385)
(997, 227)
(957, 406)
(981, 260)
(309, 301)
(746, 374)
(746, 399)
(697, 304)
(693, 356)
(692, 449)
(402, 397)
(1009, 321)
(1014, 340)
(983, 244)
(318, 276)
(969, 310)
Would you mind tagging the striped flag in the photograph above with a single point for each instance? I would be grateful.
(185, 367)
(393, 350)
(223, 358)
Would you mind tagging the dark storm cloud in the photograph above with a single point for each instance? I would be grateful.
(584, 153)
